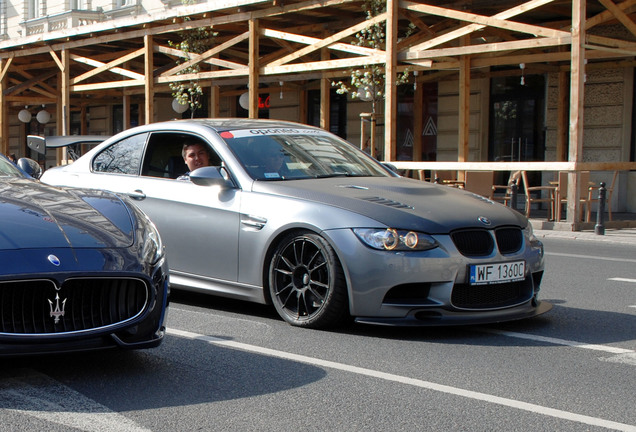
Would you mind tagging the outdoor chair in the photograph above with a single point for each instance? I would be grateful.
(496, 190)
(561, 194)
(537, 194)
(479, 182)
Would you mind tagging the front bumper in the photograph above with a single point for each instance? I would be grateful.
(420, 288)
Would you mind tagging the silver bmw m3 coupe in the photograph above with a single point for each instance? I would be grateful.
(292, 215)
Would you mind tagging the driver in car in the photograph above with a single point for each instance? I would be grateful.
(195, 155)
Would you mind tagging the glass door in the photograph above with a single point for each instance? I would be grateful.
(517, 120)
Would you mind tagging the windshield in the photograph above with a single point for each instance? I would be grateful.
(282, 154)
(9, 169)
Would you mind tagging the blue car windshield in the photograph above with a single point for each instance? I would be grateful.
(283, 154)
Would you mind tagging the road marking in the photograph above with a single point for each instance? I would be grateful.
(37, 395)
(595, 258)
(556, 341)
(622, 280)
(594, 421)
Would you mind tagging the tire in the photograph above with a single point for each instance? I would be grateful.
(306, 282)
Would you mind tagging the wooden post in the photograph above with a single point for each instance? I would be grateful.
(464, 109)
(325, 95)
(390, 91)
(149, 81)
(253, 68)
(65, 112)
(577, 85)
(4, 108)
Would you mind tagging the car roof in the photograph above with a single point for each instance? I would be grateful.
(226, 124)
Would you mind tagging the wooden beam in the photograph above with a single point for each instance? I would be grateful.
(390, 84)
(620, 15)
(4, 108)
(102, 67)
(607, 15)
(149, 81)
(486, 21)
(308, 40)
(253, 68)
(465, 30)
(577, 86)
(325, 95)
(486, 48)
(464, 107)
(198, 58)
(329, 40)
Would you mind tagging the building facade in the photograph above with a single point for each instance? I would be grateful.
(540, 81)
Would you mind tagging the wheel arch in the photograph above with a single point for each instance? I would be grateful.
(298, 230)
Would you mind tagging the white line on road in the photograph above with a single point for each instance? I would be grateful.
(36, 395)
(617, 279)
(556, 341)
(593, 421)
(595, 258)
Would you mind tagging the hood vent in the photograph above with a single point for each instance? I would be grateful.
(388, 202)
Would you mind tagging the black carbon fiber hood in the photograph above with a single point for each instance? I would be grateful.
(399, 202)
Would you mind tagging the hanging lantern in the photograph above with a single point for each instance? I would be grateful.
(364, 94)
(43, 116)
(179, 107)
(244, 101)
(24, 115)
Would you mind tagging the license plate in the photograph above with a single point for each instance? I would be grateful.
(484, 274)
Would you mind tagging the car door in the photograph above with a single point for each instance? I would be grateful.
(198, 224)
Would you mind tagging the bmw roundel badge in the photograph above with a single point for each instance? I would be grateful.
(484, 220)
(54, 260)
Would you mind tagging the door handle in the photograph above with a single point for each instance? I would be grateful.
(137, 194)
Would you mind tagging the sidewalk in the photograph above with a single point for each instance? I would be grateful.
(621, 230)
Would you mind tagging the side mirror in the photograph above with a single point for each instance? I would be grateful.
(211, 176)
(30, 167)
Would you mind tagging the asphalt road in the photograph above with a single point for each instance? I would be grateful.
(233, 366)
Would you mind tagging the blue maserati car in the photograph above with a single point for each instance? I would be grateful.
(79, 269)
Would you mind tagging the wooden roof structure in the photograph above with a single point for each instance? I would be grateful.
(264, 42)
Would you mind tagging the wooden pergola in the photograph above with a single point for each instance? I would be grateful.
(260, 43)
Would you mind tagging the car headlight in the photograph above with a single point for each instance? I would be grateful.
(152, 250)
(391, 239)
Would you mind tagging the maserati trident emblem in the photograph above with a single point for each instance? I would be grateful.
(57, 312)
(484, 220)
(54, 260)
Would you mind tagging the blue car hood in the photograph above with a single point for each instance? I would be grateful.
(34, 215)
(399, 202)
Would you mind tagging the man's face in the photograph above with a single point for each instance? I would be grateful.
(196, 156)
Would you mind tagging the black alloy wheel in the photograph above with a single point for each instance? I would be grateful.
(306, 282)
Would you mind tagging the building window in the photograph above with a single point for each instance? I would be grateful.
(33, 9)
(80, 4)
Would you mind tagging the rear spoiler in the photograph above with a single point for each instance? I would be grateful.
(39, 144)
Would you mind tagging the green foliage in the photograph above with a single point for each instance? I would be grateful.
(193, 41)
(369, 83)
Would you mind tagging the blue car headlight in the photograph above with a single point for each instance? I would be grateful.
(152, 250)
(390, 239)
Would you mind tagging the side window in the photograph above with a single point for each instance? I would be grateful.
(123, 157)
(164, 154)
